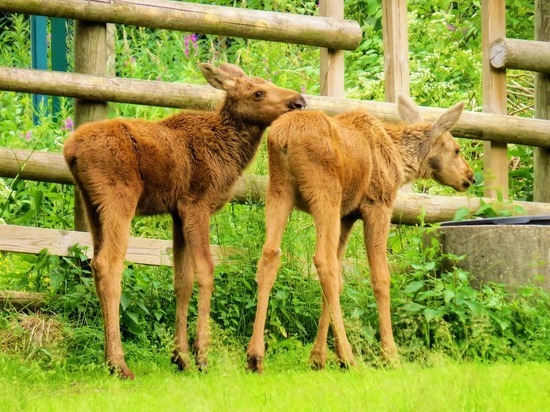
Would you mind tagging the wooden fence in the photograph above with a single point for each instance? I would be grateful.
(92, 87)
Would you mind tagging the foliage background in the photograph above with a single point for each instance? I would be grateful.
(432, 311)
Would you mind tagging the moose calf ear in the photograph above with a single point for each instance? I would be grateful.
(408, 110)
(447, 120)
(217, 78)
(232, 69)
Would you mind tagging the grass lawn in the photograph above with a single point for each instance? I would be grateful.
(445, 386)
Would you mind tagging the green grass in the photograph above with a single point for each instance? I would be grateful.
(285, 386)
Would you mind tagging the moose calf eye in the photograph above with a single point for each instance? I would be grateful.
(259, 95)
(457, 152)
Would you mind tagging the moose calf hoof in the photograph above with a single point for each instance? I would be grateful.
(317, 361)
(181, 360)
(122, 372)
(346, 364)
(201, 360)
(255, 363)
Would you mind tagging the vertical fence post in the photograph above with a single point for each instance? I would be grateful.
(39, 58)
(91, 57)
(396, 48)
(542, 106)
(396, 53)
(495, 157)
(332, 61)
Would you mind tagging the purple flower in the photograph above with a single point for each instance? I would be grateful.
(451, 27)
(69, 124)
(303, 89)
(188, 41)
(27, 136)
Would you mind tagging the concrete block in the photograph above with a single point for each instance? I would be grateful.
(516, 255)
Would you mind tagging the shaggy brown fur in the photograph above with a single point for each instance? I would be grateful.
(340, 170)
(185, 165)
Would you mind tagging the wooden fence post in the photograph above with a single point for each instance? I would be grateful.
(396, 53)
(332, 61)
(396, 49)
(90, 56)
(542, 106)
(493, 15)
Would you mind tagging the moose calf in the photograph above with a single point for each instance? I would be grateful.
(185, 165)
(340, 170)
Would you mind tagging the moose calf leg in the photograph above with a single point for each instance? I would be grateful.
(327, 224)
(107, 271)
(377, 224)
(196, 230)
(279, 203)
(183, 287)
(267, 272)
(318, 355)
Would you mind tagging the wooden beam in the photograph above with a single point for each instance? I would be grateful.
(91, 55)
(520, 55)
(50, 167)
(495, 157)
(114, 89)
(24, 239)
(332, 61)
(472, 125)
(396, 54)
(396, 49)
(542, 104)
(409, 206)
(332, 33)
(21, 300)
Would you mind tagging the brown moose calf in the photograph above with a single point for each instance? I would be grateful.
(340, 170)
(185, 165)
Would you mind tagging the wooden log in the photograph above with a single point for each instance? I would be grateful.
(409, 206)
(472, 125)
(114, 89)
(10, 299)
(25, 239)
(327, 32)
(541, 190)
(50, 167)
(332, 60)
(91, 55)
(34, 165)
(396, 54)
(520, 55)
(495, 154)
(396, 49)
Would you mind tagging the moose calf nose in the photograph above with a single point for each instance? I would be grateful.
(298, 104)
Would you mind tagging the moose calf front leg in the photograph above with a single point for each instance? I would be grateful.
(376, 228)
(279, 201)
(197, 239)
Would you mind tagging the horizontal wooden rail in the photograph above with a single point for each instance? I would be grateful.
(472, 125)
(24, 239)
(51, 167)
(114, 89)
(521, 55)
(317, 31)
(21, 300)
